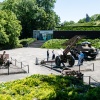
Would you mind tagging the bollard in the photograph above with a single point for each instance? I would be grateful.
(79, 68)
(21, 64)
(28, 68)
(89, 79)
(51, 65)
(11, 59)
(15, 62)
(93, 66)
(8, 69)
(36, 61)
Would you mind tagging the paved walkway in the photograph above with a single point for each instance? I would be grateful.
(28, 57)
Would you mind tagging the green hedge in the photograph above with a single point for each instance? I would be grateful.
(57, 43)
(94, 42)
(26, 42)
(54, 43)
(48, 87)
(85, 27)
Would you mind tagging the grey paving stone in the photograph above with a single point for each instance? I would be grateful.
(28, 57)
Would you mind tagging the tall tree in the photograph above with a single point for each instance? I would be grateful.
(52, 19)
(10, 29)
(33, 14)
(48, 5)
(95, 17)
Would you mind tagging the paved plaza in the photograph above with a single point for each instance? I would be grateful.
(28, 57)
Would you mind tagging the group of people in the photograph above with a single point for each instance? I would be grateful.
(53, 55)
(80, 57)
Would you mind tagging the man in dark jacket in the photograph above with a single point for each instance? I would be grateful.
(47, 55)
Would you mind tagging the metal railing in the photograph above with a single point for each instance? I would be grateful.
(91, 81)
(21, 65)
(86, 66)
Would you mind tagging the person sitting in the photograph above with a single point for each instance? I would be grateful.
(4, 60)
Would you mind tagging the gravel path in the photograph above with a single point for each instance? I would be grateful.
(28, 57)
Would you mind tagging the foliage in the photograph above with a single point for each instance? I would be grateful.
(54, 43)
(1, 5)
(27, 41)
(95, 42)
(82, 25)
(33, 14)
(45, 87)
(9, 29)
(95, 17)
(19, 46)
(57, 43)
(81, 28)
(93, 94)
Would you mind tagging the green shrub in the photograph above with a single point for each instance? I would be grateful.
(26, 42)
(54, 43)
(48, 87)
(94, 42)
(93, 94)
(19, 46)
(57, 43)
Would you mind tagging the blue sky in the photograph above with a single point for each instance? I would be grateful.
(74, 10)
(1, 0)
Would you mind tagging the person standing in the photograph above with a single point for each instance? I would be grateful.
(78, 55)
(53, 55)
(80, 58)
(47, 55)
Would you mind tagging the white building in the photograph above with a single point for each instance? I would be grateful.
(43, 34)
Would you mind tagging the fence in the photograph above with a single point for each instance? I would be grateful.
(86, 67)
(19, 64)
(91, 81)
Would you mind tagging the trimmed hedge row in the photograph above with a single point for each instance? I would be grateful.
(57, 43)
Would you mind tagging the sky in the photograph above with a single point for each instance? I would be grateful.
(74, 10)
(1, 0)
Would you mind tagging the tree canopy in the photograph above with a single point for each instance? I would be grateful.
(33, 14)
(39, 15)
(10, 28)
(93, 24)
